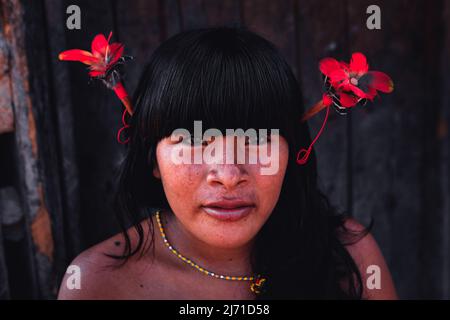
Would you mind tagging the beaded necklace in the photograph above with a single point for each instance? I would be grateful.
(257, 282)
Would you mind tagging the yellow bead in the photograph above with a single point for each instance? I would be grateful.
(188, 261)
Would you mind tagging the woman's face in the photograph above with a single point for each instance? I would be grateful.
(221, 202)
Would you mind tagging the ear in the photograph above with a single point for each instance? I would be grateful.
(156, 172)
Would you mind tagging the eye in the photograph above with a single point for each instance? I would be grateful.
(184, 139)
(208, 140)
(260, 140)
(195, 141)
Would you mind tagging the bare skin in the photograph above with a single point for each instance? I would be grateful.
(219, 246)
(166, 277)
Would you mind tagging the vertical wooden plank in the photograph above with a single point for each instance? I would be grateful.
(5, 182)
(222, 13)
(16, 253)
(275, 21)
(30, 179)
(6, 125)
(443, 134)
(322, 32)
(431, 215)
(6, 111)
(40, 77)
(138, 27)
(61, 95)
(204, 13)
(169, 15)
(192, 14)
(396, 142)
(4, 284)
(11, 231)
(12, 20)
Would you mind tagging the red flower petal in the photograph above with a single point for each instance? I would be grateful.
(328, 65)
(78, 55)
(357, 91)
(380, 81)
(119, 89)
(371, 93)
(99, 45)
(326, 100)
(345, 66)
(338, 78)
(97, 73)
(115, 52)
(358, 63)
(347, 100)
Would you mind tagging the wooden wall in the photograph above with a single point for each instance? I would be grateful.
(59, 157)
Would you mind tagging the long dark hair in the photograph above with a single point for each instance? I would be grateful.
(233, 78)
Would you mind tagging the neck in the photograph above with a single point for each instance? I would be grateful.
(226, 261)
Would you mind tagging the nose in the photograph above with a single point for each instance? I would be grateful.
(228, 173)
(229, 176)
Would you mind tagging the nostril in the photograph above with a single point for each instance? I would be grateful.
(227, 175)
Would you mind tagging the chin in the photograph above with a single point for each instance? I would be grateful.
(229, 235)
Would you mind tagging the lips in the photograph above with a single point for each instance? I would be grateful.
(228, 210)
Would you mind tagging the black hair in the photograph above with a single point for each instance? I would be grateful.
(233, 78)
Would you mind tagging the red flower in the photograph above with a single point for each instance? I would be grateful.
(102, 60)
(103, 57)
(354, 82)
(346, 86)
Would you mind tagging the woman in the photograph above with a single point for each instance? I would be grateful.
(220, 229)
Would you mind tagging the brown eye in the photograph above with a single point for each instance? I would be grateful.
(260, 140)
(186, 140)
(178, 138)
(208, 140)
(205, 142)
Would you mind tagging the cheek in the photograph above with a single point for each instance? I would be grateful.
(177, 179)
(269, 186)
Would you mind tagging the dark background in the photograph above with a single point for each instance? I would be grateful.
(58, 165)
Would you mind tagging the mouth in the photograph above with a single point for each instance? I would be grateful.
(228, 210)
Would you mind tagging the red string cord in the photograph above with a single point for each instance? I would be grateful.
(302, 160)
(125, 126)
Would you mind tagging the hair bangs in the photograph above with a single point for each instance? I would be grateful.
(221, 80)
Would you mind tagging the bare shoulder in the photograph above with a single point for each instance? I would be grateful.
(375, 274)
(94, 274)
